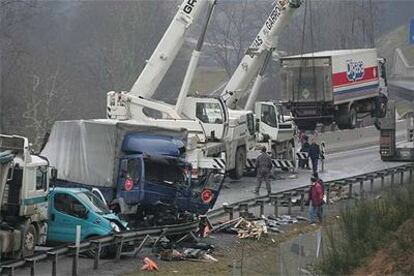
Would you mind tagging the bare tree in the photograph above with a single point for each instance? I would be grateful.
(233, 30)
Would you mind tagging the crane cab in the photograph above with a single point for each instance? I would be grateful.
(271, 121)
(211, 112)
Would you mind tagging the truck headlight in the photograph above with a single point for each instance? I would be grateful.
(115, 227)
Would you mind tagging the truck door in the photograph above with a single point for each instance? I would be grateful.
(268, 122)
(65, 213)
(130, 180)
(205, 192)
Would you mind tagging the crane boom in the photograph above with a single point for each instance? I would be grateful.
(167, 49)
(257, 56)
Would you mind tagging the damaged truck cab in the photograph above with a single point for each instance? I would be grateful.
(139, 170)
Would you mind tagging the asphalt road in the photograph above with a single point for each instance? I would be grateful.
(337, 165)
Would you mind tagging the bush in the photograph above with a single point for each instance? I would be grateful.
(364, 228)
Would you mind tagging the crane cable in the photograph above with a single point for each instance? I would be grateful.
(308, 3)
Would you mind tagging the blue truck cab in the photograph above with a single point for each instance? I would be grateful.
(154, 175)
(138, 170)
(69, 207)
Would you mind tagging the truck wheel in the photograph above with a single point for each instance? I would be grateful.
(29, 240)
(240, 163)
(353, 119)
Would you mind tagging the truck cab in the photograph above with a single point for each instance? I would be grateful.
(24, 184)
(155, 181)
(211, 112)
(69, 207)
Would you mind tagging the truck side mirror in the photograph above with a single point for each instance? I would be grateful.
(53, 176)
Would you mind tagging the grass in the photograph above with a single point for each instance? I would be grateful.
(363, 229)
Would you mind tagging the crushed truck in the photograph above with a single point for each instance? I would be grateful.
(139, 170)
(339, 85)
(32, 212)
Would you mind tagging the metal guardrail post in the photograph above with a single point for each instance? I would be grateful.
(350, 190)
(382, 181)
(371, 184)
(411, 174)
(361, 188)
(302, 200)
(392, 178)
(230, 210)
(97, 257)
(243, 208)
(32, 267)
(328, 192)
(402, 177)
(75, 263)
(274, 200)
(261, 205)
(55, 256)
(289, 197)
(120, 244)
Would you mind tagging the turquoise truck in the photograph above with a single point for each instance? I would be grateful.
(33, 214)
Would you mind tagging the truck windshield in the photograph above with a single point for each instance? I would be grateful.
(166, 171)
(209, 113)
(94, 203)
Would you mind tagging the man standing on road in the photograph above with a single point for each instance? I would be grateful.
(314, 153)
(315, 201)
(263, 167)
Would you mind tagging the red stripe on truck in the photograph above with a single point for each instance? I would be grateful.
(341, 79)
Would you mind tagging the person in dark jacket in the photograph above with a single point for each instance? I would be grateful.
(315, 201)
(304, 163)
(263, 166)
(314, 153)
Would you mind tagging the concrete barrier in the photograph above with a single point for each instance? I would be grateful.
(342, 140)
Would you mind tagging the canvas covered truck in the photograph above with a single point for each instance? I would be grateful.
(34, 213)
(339, 85)
(139, 170)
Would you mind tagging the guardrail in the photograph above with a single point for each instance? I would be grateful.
(120, 240)
(300, 192)
(96, 245)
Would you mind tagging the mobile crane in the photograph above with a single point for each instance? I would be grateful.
(273, 131)
(205, 118)
(137, 105)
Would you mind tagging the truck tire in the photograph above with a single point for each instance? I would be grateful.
(29, 240)
(353, 119)
(240, 163)
(347, 119)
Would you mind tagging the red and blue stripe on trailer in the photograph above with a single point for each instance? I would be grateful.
(355, 77)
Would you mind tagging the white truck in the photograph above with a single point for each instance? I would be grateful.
(274, 130)
(338, 85)
(24, 183)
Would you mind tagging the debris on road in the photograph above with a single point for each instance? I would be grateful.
(256, 227)
(251, 229)
(149, 265)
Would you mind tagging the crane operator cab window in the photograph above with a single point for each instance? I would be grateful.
(209, 113)
(268, 115)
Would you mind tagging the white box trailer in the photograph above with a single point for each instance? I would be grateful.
(335, 86)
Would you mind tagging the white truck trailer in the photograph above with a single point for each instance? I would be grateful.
(339, 85)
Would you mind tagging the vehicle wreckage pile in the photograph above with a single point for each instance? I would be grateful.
(251, 227)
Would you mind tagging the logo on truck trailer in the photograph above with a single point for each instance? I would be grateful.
(354, 69)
